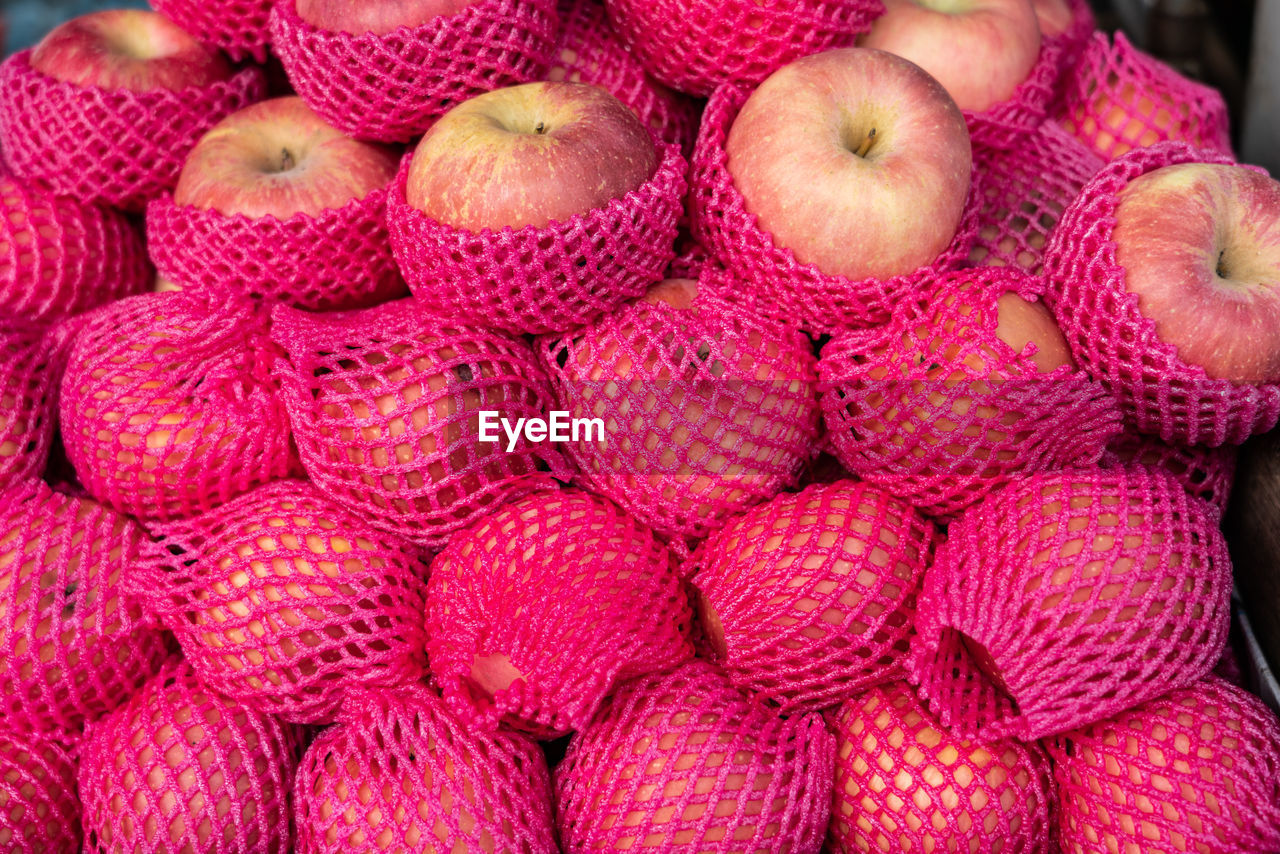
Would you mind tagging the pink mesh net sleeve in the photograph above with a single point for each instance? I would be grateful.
(536, 612)
(810, 598)
(904, 782)
(39, 810)
(682, 762)
(1195, 770)
(167, 408)
(935, 408)
(401, 773)
(238, 27)
(695, 45)
(541, 279)
(110, 146)
(386, 410)
(1206, 473)
(1065, 598)
(705, 410)
(179, 768)
(1111, 339)
(799, 294)
(29, 374)
(392, 87)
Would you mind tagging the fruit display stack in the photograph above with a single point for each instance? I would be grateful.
(679, 426)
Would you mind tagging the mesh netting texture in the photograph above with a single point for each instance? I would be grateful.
(1195, 770)
(392, 87)
(696, 45)
(811, 597)
(39, 810)
(1116, 98)
(1068, 597)
(386, 409)
(1113, 341)
(59, 257)
(113, 146)
(935, 408)
(1206, 473)
(167, 408)
(538, 610)
(286, 601)
(905, 783)
(707, 409)
(542, 279)
(238, 27)
(400, 773)
(800, 294)
(683, 762)
(179, 768)
(29, 374)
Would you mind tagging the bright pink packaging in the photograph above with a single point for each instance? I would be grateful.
(238, 27)
(1206, 473)
(39, 810)
(30, 368)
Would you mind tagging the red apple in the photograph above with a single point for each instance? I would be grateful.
(1022, 322)
(1055, 16)
(1200, 247)
(529, 155)
(980, 50)
(375, 16)
(278, 158)
(855, 160)
(131, 49)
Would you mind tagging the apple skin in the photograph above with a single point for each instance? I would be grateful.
(1022, 322)
(979, 50)
(278, 158)
(375, 16)
(529, 155)
(131, 49)
(1054, 16)
(793, 154)
(1200, 247)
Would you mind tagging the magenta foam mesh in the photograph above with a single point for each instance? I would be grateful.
(338, 259)
(1025, 189)
(29, 372)
(401, 773)
(109, 146)
(934, 408)
(1003, 126)
(1195, 770)
(286, 601)
(180, 768)
(904, 782)
(39, 810)
(546, 279)
(393, 87)
(74, 644)
(683, 762)
(167, 406)
(1068, 597)
(538, 611)
(810, 598)
(1117, 98)
(238, 27)
(799, 294)
(1206, 473)
(386, 409)
(1110, 338)
(59, 257)
(693, 46)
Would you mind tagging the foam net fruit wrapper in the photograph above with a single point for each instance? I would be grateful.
(541, 279)
(108, 146)
(1195, 770)
(1065, 598)
(386, 406)
(683, 762)
(694, 46)
(798, 294)
(905, 783)
(238, 27)
(39, 811)
(167, 407)
(179, 768)
(813, 594)
(1206, 473)
(286, 601)
(29, 372)
(1160, 394)
(401, 773)
(937, 410)
(536, 612)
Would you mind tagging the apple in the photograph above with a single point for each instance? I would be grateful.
(856, 160)
(1200, 248)
(532, 154)
(133, 49)
(1117, 120)
(278, 158)
(375, 16)
(1054, 16)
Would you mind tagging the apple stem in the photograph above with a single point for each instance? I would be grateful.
(541, 128)
(866, 144)
(1222, 269)
(286, 160)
